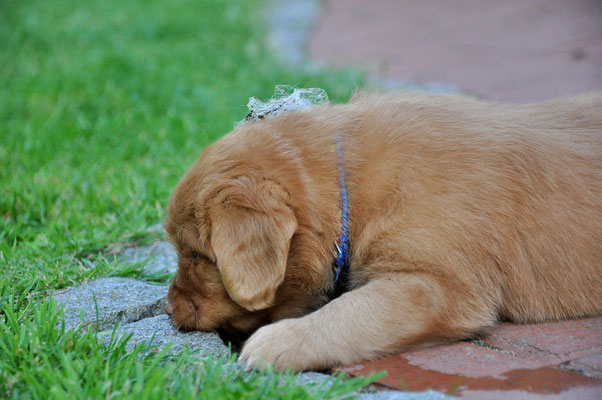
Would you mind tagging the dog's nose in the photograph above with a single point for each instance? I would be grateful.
(169, 308)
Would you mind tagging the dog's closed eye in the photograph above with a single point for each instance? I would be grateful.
(193, 257)
(198, 257)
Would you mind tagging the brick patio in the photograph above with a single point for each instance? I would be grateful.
(552, 360)
(512, 50)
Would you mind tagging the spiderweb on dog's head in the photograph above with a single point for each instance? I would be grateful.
(285, 98)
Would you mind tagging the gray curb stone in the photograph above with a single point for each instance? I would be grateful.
(161, 330)
(397, 395)
(139, 308)
(157, 257)
(315, 378)
(117, 299)
(291, 23)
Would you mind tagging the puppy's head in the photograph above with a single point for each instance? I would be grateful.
(232, 231)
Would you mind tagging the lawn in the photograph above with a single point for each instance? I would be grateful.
(103, 106)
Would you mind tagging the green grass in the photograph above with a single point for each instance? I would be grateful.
(103, 106)
(53, 363)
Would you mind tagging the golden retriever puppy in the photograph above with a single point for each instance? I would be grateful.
(458, 213)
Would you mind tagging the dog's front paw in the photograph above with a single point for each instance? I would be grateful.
(287, 344)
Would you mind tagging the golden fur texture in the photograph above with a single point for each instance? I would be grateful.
(462, 213)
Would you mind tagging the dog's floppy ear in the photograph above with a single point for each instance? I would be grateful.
(251, 227)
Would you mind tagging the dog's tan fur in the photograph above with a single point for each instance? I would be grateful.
(462, 213)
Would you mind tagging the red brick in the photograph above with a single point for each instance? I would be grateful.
(468, 360)
(466, 370)
(512, 50)
(552, 342)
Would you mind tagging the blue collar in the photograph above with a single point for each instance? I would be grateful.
(341, 263)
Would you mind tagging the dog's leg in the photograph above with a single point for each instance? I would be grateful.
(389, 314)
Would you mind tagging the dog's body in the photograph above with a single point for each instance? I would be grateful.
(461, 213)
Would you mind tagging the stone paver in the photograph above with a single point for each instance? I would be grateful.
(552, 342)
(404, 374)
(157, 257)
(574, 393)
(315, 377)
(509, 364)
(291, 23)
(589, 365)
(106, 301)
(161, 331)
(398, 395)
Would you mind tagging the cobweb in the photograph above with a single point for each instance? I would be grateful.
(285, 98)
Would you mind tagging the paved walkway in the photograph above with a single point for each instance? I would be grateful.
(513, 50)
(560, 360)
